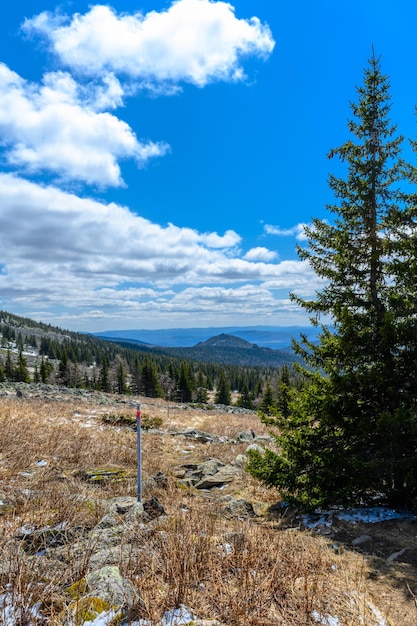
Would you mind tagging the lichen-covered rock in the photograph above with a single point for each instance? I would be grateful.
(238, 508)
(87, 609)
(108, 584)
(225, 474)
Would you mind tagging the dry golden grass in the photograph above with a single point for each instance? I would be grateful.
(255, 572)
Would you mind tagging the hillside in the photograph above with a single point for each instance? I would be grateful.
(236, 351)
(222, 349)
(207, 545)
(35, 352)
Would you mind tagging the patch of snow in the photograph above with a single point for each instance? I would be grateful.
(174, 617)
(41, 463)
(10, 614)
(228, 548)
(381, 619)
(369, 515)
(26, 529)
(325, 620)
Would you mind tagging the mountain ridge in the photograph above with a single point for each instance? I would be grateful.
(275, 337)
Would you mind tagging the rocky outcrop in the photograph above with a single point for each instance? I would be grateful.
(206, 475)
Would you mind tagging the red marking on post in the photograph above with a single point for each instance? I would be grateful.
(138, 416)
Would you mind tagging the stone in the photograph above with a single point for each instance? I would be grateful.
(255, 446)
(135, 513)
(153, 508)
(396, 555)
(240, 460)
(35, 540)
(359, 541)
(238, 508)
(160, 480)
(246, 435)
(102, 474)
(108, 521)
(225, 474)
(123, 504)
(108, 584)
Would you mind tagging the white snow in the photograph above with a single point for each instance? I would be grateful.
(173, 617)
(10, 614)
(370, 515)
(325, 620)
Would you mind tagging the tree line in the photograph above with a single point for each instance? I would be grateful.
(83, 361)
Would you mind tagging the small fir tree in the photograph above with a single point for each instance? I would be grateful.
(351, 433)
(223, 394)
(268, 403)
(245, 399)
(22, 373)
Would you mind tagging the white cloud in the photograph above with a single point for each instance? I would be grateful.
(260, 254)
(228, 240)
(58, 127)
(194, 41)
(59, 250)
(297, 231)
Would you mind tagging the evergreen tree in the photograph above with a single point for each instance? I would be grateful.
(64, 373)
(284, 392)
(19, 342)
(352, 432)
(104, 378)
(223, 395)
(202, 396)
(22, 372)
(9, 369)
(2, 374)
(245, 399)
(185, 383)
(151, 386)
(121, 377)
(268, 403)
(45, 370)
(135, 372)
(36, 375)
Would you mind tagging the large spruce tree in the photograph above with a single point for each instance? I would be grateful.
(351, 434)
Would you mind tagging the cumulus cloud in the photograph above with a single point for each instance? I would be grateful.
(297, 231)
(260, 254)
(194, 41)
(56, 127)
(59, 250)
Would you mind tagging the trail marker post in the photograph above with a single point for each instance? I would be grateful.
(139, 450)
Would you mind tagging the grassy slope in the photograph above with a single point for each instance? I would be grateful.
(280, 577)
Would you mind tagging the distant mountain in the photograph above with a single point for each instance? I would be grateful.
(233, 350)
(221, 349)
(277, 337)
(225, 341)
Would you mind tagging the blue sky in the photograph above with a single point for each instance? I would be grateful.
(158, 159)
